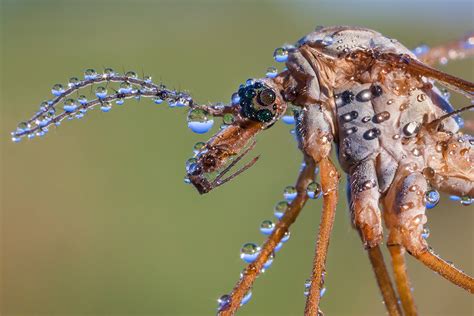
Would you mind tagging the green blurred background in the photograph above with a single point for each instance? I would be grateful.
(95, 217)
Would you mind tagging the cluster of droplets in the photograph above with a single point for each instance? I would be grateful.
(129, 86)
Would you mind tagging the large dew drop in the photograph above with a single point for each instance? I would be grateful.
(314, 190)
(198, 121)
(249, 252)
(280, 209)
(431, 198)
(280, 55)
(267, 227)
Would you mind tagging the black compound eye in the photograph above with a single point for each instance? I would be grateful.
(266, 97)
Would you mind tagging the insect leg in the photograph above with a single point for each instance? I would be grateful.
(329, 182)
(253, 270)
(366, 218)
(458, 49)
(405, 217)
(418, 68)
(402, 280)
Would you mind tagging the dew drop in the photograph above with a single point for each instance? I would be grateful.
(249, 252)
(125, 87)
(120, 101)
(432, 198)
(280, 55)
(314, 190)
(416, 152)
(235, 99)
(157, 100)
(22, 127)
(82, 100)
(381, 117)
(327, 40)
(466, 200)
(73, 81)
(199, 122)
(101, 92)
(421, 97)
(364, 96)
(349, 116)
(372, 133)
(105, 107)
(351, 130)
(16, 139)
(228, 118)
(425, 233)
(131, 74)
(70, 105)
(269, 262)
(278, 247)
(90, 74)
(57, 89)
(198, 147)
(280, 209)
(223, 302)
(267, 227)
(246, 298)
(286, 237)
(289, 193)
(367, 185)
(147, 79)
(109, 72)
(411, 129)
(376, 90)
(272, 72)
(389, 101)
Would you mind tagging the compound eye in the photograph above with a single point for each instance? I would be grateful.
(267, 97)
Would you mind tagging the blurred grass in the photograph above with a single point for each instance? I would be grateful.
(96, 220)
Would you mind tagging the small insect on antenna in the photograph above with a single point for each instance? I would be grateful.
(434, 125)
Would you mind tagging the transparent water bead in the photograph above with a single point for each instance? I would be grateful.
(73, 81)
(16, 139)
(228, 118)
(235, 99)
(82, 100)
(147, 79)
(272, 72)
(307, 287)
(90, 74)
(108, 72)
(101, 92)
(120, 101)
(278, 247)
(70, 105)
(432, 198)
(269, 262)
(290, 193)
(288, 117)
(57, 90)
(285, 237)
(198, 147)
(327, 40)
(267, 227)
(466, 200)
(22, 127)
(314, 190)
(198, 121)
(246, 298)
(425, 233)
(223, 302)
(131, 74)
(249, 252)
(157, 100)
(280, 55)
(106, 107)
(125, 87)
(280, 209)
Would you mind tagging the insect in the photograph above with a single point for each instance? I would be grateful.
(398, 140)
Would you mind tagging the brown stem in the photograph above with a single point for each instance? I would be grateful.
(253, 270)
(383, 280)
(329, 182)
(402, 281)
(446, 270)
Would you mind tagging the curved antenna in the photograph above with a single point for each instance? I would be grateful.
(130, 87)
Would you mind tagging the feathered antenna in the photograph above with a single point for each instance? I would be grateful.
(130, 87)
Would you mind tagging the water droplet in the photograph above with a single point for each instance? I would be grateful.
(466, 200)
(70, 105)
(372, 133)
(223, 302)
(278, 247)
(367, 185)
(455, 198)
(289, 117)
(198, 121)
(109, 72)
(235, 99)
(364, 96)
(286, 237)
(280, 55)
(416, 152)
(411, 129)
(327, 40)
(131, 74)
(82, 100)
(347, 97)
(314, 190)
(365, 119)
(269, 262)
(425, 233)
(249, 252)
(376, 90)
(280, 209)
(101, 92)
(157, 100)
(90, 74)
(105, 107)
(290, 193)
(246, 298)
(120, 101)
(421, 97)
(147, 79)
(349, 116)
(16, 139)
(351, 130)
(57, 90)
(73, 81)
(228, 118)
(22, 127)
(307, 287)
(267, 227)
(198, 147)
(432, 198)
(125, 87)
(272, 72)
(381, 117)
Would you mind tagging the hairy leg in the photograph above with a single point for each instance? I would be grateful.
(253, 270)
